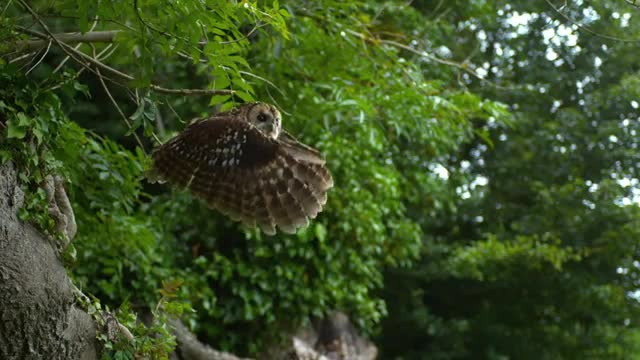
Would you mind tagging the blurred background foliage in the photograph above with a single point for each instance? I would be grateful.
(484, 155)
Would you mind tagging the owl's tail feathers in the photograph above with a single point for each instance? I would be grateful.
(153, 175)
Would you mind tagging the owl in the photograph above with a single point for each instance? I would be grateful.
(243, 164)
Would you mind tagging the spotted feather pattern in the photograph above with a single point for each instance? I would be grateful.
(260, 181)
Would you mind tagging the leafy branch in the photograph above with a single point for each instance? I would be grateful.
(92, 63)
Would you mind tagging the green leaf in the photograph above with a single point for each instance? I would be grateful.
(5, 155)
(245, 96)
(23, 120)
(218, 99)
(15, 131)
(38, 133)
(321, 232)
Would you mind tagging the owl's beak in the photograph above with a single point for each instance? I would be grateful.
(273, 130)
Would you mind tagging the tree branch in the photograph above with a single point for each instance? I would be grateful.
(78, 55)
(73, 38)
(44, 54)
(190, 348)
(189, 92)
(462, 66)
(633, 3)
(587, 29)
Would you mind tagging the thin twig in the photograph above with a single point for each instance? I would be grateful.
(160, 31)
(60, 44)
(70, 51)
(115, 104)
(30, 60)
(244, 37)
(6, 7)
(587, 29)
(136, 9)
(164, 90)
(417, 52)
(77, 47)
(82, 69)
(22, 57)
(632, 3)
(263, 79)
(462, 66)
(182, 54)
(66, 58)
(166, 101)
(46, 51)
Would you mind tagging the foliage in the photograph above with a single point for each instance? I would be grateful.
(532, 254)
(33, 120)
(127, 336)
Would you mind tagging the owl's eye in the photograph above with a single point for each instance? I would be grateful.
(262, 117)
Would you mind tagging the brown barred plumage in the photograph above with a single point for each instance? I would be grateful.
(242, 164)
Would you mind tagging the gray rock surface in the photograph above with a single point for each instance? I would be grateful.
(38, 317)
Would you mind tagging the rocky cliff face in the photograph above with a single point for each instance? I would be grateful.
(38, 317)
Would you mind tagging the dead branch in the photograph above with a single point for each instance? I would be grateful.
(73, 38)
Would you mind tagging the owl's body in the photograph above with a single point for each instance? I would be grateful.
(242, 164)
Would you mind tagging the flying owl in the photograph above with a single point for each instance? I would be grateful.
(244, 165)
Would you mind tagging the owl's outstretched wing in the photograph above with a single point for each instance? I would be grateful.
(245, 175)
(299, 150)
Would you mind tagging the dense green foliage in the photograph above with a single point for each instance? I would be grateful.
(457, 229)
(534, 252)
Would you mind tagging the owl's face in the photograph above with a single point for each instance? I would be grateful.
(266, 118)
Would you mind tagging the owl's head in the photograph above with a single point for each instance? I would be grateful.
(266, 118)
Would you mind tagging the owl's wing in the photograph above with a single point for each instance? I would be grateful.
(299, 150)
(243, 174)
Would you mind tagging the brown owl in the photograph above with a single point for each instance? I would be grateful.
(244, 165)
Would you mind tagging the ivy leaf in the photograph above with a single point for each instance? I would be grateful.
(5, 155)
(15, 131)
(23, 120)
(39, 134)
